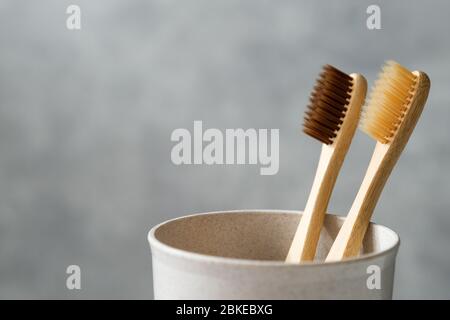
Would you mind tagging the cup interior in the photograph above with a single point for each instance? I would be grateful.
(257, 235)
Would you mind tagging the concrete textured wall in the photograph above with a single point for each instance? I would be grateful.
(86, 118)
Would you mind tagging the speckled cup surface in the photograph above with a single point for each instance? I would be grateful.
(239, 255)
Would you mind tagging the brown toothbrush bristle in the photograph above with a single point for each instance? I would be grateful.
(328, 104)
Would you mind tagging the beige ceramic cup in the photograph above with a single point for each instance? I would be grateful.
(239, 255)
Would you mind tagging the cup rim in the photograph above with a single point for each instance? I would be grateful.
(200, 257)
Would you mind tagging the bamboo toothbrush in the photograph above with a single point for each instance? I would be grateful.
(395, 105)
(332, 119)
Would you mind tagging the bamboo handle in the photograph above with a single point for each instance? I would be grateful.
(350, 237)
(303, 247)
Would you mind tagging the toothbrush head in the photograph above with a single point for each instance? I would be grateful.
(389, 102)
(328, 104)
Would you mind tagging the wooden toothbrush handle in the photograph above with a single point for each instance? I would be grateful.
(303, 247)
(350, 237)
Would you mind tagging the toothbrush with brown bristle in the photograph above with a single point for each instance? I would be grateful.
(332, 119)
(395, 105)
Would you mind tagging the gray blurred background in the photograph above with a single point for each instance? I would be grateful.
(86, 118)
